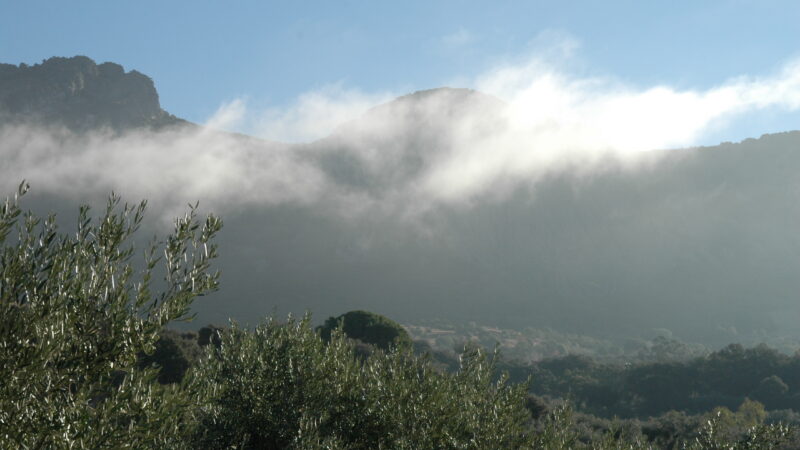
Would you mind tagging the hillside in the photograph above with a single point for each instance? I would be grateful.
(701, 242)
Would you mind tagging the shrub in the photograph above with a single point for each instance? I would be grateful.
(74, 315)
(281, 386)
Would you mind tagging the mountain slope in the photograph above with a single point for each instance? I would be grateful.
(700, 241)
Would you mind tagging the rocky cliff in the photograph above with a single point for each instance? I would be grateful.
(81, 95)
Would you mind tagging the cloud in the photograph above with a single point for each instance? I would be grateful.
(169, 167)
(228, 116)
(315, 114)
(554, 121)
(406, 158)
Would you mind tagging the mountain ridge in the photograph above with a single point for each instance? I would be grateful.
(80, 94)
(703, 242)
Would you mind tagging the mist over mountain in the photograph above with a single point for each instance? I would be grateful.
(396, 212)
(377, 152)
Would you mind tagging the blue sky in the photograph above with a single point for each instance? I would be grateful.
(204, 54)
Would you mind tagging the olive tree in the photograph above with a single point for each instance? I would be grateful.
(282, 386)
(75, 311)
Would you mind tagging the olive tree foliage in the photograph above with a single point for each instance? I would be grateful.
(722, 432)
(76, 309)
(559, 431)
(282, 386)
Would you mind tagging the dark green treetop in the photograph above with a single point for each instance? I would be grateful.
(367, 327)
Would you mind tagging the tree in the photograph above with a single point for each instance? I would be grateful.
(281, 386)
(74, 314)
(367, 327)
(771, 391)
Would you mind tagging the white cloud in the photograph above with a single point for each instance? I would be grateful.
(315, 114)
(169, 167)
(228, 116)
(411, 157)
(555, 120)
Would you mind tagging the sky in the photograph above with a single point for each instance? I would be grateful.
(272, 59)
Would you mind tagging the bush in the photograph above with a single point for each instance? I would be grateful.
(74, 315)
(367, 327)
(281, 386)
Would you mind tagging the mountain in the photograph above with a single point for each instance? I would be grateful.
(704, 241)
(393, 144)
(81, 95)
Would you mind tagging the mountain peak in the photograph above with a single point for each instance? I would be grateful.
(80, 94)
(452, 92)
(445, 101)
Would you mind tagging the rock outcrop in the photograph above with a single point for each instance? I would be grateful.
(81, 95)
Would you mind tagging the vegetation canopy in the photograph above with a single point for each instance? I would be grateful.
(74, 314)
(369, 328)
